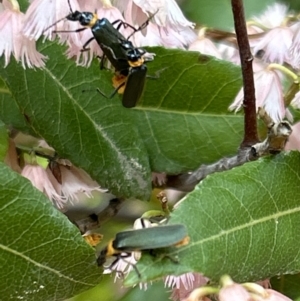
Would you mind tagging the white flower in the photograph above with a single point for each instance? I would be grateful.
(268, 93)
(230, 53)
(44, 181)
(294, 139)
(159, 179)
(41, 14)
(167, 12)
(184, 284)
(275, 296)
(168, 26)
(274, 15)
(295, 48)
(276, 44)
(76, 183)
(234, 292)
(295, 103)
(205, 45)
(14, 42)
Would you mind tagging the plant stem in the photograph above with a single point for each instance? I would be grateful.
(250, 125)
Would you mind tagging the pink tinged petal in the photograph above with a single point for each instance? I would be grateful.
(238, 101)
(72, 37)
(183, 281)
(268, 93)
(276, 44)
(122, 267)
(6, 35)
(36, 175)
(39, 15)
(205, 46)
(164, 36)
(183, 285)
(295, 103)
(173, 30)
(294, 139)
(295, 48)
(288, 115)
(258, 65)
(44, 182)
(159, 179)
(234, 292)
(167, 13)
(57, 198)
(230, 53)
(90, 5)
(252, 29)
(75, 181)
(134, 15)
(13, 41)
(275, 296)
(60, 10)
(83, 58)
(153, 37)
(264, 283)
(29, 56)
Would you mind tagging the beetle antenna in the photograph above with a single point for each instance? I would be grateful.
(70, 6)
(54, 24)
(71, 11)
(144, 25)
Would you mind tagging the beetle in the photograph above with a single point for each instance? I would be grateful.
(128, 61)
(131, 84)
(113, 44)
(144, 240)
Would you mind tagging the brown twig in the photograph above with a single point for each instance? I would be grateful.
(274, 143)
(250, 125)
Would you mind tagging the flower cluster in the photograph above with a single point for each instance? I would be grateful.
(181, 285)
(13, 41)
(274, 38)
(63, 183)
(231, 291)
(19, 31)
(275, 42)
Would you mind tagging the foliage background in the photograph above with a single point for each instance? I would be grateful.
(215, 14)
(221, 133)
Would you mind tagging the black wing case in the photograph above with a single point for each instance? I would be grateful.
(134, 86)
(150, 238)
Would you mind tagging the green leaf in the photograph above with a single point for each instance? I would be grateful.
(287, 285)
(3, 141)
(10, 113)
(97, 135)
(183, 117)
(189, 82)
(43, 256)
(292, 4)
(243, 222)
(181, 121)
